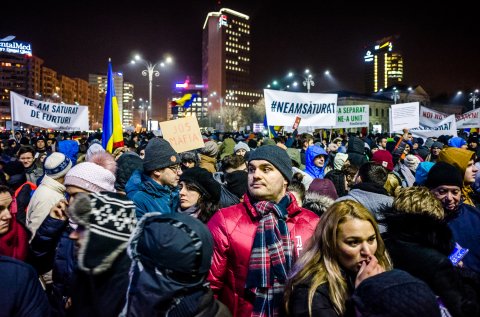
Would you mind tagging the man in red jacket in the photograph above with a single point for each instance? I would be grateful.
(257, 241)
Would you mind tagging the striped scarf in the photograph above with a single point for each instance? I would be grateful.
(271, 258)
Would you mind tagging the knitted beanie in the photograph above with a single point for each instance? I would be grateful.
(210, 149)
(241, 145)
(57, 165)
(323, 187)
(159, 154)
(384, 158)
(444, 174)
(94, 148)
(90, 177)
(437, 144)
(411, 161)
(204, 180)
(395, 293)
(109, 219)
(277, 156)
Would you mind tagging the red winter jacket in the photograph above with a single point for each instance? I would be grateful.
(233, 230)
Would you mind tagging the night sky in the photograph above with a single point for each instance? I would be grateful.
(441, 51)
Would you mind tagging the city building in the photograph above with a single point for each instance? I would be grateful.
(127, 114)
(383, 66)
(81, 87)
(20, 73)
(100, 81)
(226, 67)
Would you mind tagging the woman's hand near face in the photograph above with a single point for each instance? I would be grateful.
(368, 270)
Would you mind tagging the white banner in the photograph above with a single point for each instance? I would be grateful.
(48, 115)
(448, 126)
(468, 120)
(353, 116)
(404, 115)
(315, 110)
(430, 117)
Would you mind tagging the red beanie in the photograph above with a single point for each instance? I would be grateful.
(384, 158)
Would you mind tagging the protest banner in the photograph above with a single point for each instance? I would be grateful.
(430, 117)
(315, 110)
(182, 134)
(353, 116)
(447, 126)
(404, 115)
(258, 127)
(48, 115)
(468, 120)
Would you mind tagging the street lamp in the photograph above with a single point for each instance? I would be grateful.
(473, 98)
(150, 71)
(395, 95)
(307, 79)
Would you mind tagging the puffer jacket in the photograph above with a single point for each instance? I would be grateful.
(233, 230)
(152, 196)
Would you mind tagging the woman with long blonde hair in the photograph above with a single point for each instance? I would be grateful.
(346, 249)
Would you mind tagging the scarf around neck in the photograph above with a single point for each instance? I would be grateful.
(271, 257)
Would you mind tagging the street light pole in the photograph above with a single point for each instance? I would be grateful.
(473, 98)
(150, 71)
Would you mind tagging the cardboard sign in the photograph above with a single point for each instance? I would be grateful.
(182, 134)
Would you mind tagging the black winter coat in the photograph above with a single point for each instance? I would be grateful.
(420, 245)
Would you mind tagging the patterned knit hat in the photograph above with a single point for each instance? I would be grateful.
(57, 165)
(109, 219)
(90, 177)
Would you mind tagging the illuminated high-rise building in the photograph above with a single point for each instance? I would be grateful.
(383, 66)
(226, 65)
(100, 81)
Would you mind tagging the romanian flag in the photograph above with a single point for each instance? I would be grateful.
(185, 101)
(112, 136)
(271, 129)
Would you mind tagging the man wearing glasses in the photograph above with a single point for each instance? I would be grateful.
(157, 190)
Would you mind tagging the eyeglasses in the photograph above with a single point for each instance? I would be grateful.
(175, 168)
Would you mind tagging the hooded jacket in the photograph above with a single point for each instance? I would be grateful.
(310, 155)
(233, 230)
(460, 159)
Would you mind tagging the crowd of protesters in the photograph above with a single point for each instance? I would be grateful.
(293, 225)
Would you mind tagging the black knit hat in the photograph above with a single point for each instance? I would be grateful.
(204, 180)
(275, 155)
(237, 182)
(444, 174)
(159, 154)
(395, 293)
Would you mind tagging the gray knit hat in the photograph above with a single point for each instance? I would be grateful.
(275, 155)
(159, 154)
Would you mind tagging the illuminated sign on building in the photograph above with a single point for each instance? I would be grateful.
(368, 57)
(7, 45)
(222, 20)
